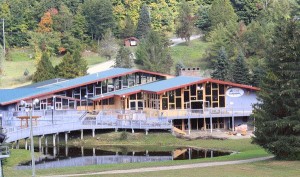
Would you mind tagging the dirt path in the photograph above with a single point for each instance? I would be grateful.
(101, 66)
(176, 167)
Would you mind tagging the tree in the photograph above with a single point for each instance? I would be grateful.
(79, 26)
(185, 25)
(44, 70)
(246, 10)
(153, 53)
(144, 23)
(221, 68)
(2, 58)
(178, 67)
(108, 45)
(129, 27)
(67, 68)
(63, 20)
(124, 58)
(221, 11)
(240, 72)
(99, 17)
(203, 22)
(277, 115)
(81, 63)
(45, 24)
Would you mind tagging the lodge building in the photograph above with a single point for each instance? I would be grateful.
(191, 103)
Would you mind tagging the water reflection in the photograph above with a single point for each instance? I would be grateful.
(79, 156)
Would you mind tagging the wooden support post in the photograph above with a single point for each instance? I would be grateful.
(26, 143)
(57, 138)
(46, 141)
(81, 134)
(132, 130)
(116, 129)
(197, 124)
(54, 151)
(66, 150)
(94, 151)
(189, 126)
(211, 154)
(182, 125)
(17, 144)
(233, 128)
(211, 126)
(66, 138)
(40, 143)
(146, 131)
(82, 151)
(204, 123)
(93, 132)
(54, 140)
(190, 154)
(218, 123)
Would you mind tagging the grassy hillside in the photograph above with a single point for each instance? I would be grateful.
(19, 61)
(190, 55)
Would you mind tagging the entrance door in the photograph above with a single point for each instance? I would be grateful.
(136, 105)
(58, 105)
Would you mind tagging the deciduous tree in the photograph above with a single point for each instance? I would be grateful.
(124, 58)
(185, 24)
(221, 12)
(108, 45)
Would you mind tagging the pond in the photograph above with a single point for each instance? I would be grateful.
(58, 157)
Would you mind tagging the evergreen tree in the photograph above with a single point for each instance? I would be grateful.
(128, 30)
(240, 72)
(67, 68)
(44, 70)
(185, 26)
(80, 63)
(277, 115)
(144, 23)
(124, 58)
(257, 74)
(203, 22)
(153, 53)
(221, 67)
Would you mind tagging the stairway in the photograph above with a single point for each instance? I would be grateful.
(177, 130)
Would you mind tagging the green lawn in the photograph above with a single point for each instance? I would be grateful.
(243, 146)
(191, 55)
(269, 168)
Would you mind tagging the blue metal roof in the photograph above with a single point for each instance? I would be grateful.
(10, 95)
(157, 86)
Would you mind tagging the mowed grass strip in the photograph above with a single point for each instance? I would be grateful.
(270, 168)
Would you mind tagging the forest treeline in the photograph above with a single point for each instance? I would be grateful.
(239, 32)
